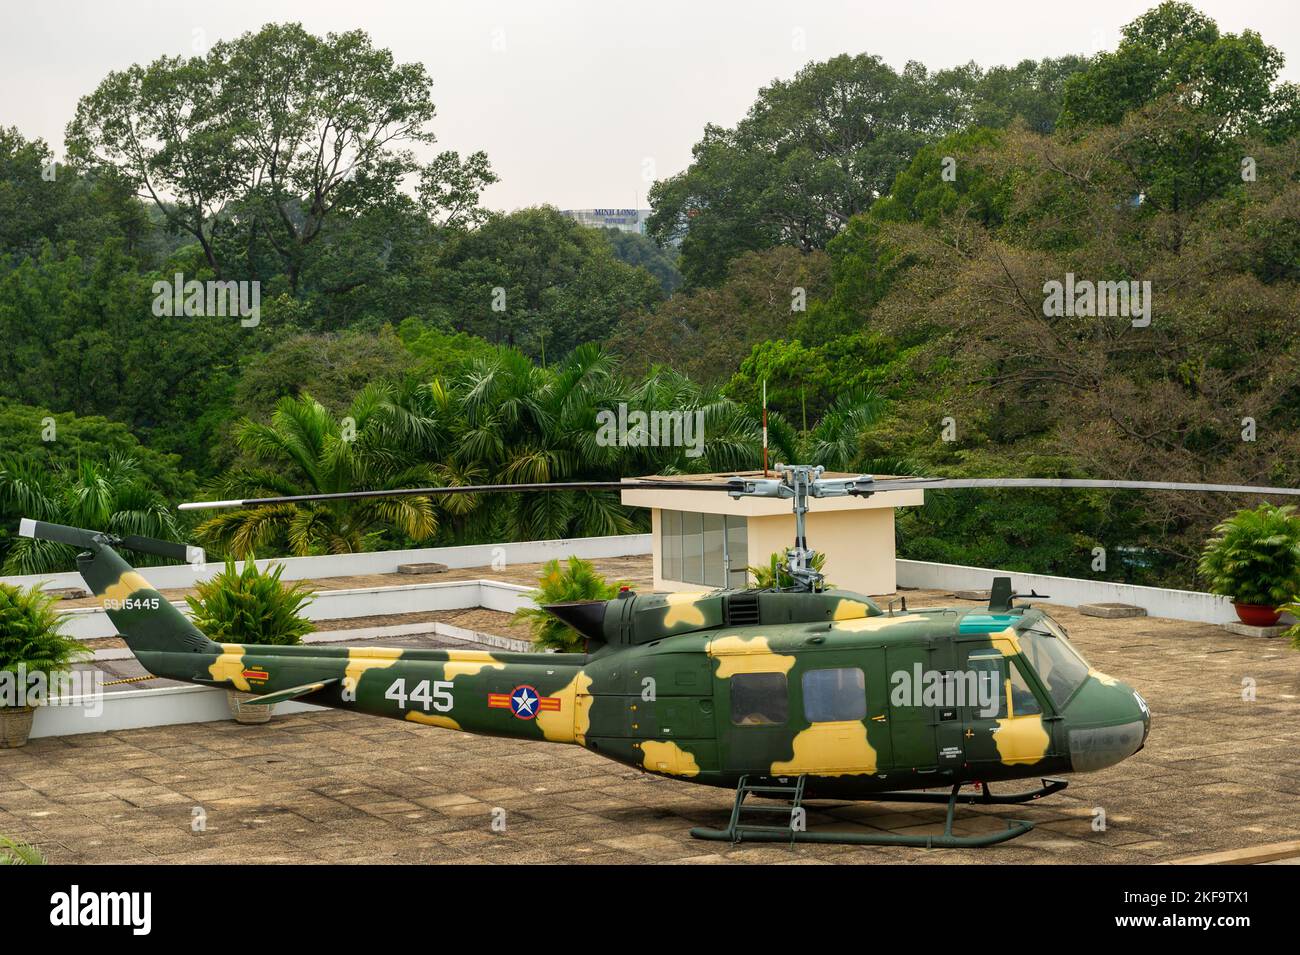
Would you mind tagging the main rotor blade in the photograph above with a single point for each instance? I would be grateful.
(461, 489)
(924, 483)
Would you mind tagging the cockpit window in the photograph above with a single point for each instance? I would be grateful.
(1057, 663)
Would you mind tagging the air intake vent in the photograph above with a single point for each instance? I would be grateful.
(742, 610)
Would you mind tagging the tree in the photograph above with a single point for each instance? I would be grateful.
(306, 450)
(816, 150)
(538, 281)
(632, 248)
(330, 366)
(44, 202)
(265, 140)
(113, 496)
(1176, 49)
(1205, 392)
(706, 332)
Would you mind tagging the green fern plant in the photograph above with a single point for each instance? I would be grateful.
(577, 580)
(251, 606)
(13, 852)
(776, 575)
(31, 633)
(1293, 608)
(1254, 556)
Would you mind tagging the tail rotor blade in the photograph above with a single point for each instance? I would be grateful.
(59, 534)
(90, 540)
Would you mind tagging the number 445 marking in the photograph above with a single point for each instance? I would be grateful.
(438, 698)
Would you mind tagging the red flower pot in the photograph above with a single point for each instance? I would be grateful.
(1257, 615)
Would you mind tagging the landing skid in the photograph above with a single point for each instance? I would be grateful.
(738, 831)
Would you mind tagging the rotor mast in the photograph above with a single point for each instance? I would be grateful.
(797, 483)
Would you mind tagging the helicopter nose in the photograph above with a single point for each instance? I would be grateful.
(1106, 722)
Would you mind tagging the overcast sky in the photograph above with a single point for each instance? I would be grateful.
(578, 103)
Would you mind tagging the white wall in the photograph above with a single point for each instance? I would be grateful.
(132, 709)
(382, 562)
(84, 623)
(1071, 591)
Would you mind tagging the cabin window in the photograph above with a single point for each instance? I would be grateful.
(1023, 701)
(834, 696)
(1054, 659)
(989, 662)
(759, 699)
(707, 549)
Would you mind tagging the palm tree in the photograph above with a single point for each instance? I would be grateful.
(114, 497)
(305, 450)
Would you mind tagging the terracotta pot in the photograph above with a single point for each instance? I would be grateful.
(244, 713)
(15, 726)
(1257, 615)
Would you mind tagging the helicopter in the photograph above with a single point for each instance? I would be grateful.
(786, 693)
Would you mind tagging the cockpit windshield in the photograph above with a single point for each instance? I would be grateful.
(1059, 666)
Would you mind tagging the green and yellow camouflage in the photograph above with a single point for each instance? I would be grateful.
(822, 695)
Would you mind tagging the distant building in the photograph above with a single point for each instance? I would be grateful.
(625, 220)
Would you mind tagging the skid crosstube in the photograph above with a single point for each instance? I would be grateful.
(739, 831)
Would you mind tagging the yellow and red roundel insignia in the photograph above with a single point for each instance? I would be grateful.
(523, 701)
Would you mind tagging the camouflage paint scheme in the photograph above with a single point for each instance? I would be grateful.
(690, 646)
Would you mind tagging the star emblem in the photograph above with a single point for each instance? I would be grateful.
(524, 702)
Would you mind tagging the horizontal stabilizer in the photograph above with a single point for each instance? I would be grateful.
(290, 694)
(90, 540)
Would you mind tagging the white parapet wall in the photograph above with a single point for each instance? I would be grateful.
(85, 623)
(1071, 591)
(382, 562)
(133, 709)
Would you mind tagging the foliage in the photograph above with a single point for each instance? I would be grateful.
(1293, 608)
(559, 283)
(13, 852)
(776, 574)
(43, 203)
(1254, 556)
(633, 248)
(330, 366)
(31, 632)
(706, 332)
(288, 131)
(577, 580)
(307, 450)
(113, 496)
(779, 176)
(952, 274)
(251, 606)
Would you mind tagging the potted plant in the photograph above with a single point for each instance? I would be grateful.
(250, 606)
(31, 642)
(1254, 559)
(579, 580)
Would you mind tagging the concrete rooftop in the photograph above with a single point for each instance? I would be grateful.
(1217, 773)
